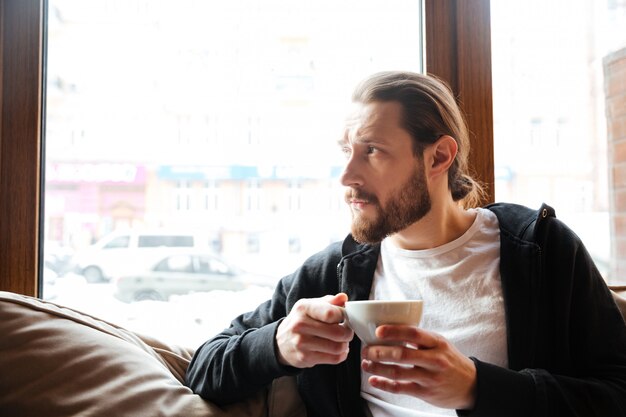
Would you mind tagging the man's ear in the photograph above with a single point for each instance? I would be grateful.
(441, 154)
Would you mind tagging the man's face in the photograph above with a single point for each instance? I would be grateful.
(387, 189)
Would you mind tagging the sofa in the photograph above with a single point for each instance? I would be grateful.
(58, 362)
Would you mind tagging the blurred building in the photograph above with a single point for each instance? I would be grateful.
(550, 124)
(615, 87)
(210, 116)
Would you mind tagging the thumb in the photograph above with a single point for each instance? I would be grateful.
(338, 299)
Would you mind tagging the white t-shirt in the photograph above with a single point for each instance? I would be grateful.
(462, 292)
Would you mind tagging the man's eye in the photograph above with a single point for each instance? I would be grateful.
(346, 151)
(371, 149)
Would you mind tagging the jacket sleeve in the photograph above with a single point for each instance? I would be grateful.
(241, 360)
(578, 361)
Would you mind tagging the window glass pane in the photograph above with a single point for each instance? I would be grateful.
(179, 263)
(216, 120)
(559, 73)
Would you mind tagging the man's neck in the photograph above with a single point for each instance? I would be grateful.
(442, 224)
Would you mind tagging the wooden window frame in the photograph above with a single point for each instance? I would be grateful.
(21, 91)
(457, 49)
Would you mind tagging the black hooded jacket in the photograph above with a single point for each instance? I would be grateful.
(566, 337)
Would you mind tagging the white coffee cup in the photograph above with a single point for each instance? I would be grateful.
(365, 316)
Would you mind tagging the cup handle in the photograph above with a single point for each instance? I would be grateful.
(346, 322)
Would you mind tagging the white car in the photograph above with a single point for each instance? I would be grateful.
(183, 272)
(129, 252)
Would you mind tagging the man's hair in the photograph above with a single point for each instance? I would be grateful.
(430, 111)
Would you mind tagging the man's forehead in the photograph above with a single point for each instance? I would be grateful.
(356, 113)
(367, 116)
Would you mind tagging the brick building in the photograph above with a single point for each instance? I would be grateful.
(615, 89)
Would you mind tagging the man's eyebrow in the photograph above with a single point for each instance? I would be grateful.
(369, 140)
(362, 140)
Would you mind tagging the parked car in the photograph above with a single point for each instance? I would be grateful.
(183, 272)
(58, 257)
(129, 252)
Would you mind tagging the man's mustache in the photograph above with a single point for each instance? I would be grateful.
(353, 194)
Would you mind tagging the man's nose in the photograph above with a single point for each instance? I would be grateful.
(351, 175)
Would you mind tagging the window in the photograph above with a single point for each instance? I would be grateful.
(214, 266)
(23, 29)
(178, 263)
(556, 134)
(217, 105)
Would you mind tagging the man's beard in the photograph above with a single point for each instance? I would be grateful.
(405, 206)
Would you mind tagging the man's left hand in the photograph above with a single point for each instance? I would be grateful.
(426, 366)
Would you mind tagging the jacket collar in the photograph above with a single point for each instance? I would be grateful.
(521, 276)
(356, 268)
(520, 221)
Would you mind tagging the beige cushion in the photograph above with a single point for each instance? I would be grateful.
(284, 400)
(55, 361)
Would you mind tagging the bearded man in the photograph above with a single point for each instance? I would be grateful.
(517, 317)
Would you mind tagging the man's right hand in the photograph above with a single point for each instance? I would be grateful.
(312, 333)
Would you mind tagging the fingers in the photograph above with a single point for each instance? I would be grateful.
(414, 335)
(317, 350)
(323, 309)
(300, 345)
(332, 331)
(413, 381)
(311, 333)
(320, 344)
(451, 388)
(425, 365)
(309, 359)
(399, 387)
(430, 360)
(337, 299)
(395, 372)
(418, 348)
